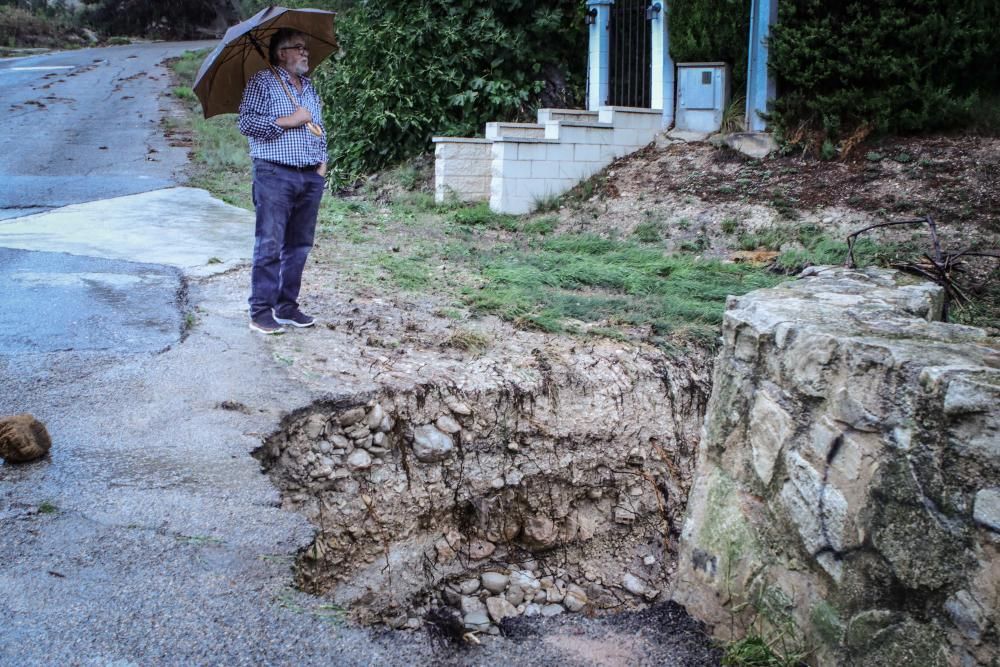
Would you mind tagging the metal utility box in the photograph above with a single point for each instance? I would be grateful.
(702, 96)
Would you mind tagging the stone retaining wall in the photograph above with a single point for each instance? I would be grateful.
(847, 494)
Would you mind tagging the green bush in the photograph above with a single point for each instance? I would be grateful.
(22, 28)
(895, 66)
(409, 71)
(178, 19)
(712, 30)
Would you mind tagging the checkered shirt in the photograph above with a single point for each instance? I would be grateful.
(264, 101)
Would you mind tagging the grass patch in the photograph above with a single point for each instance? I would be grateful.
(547, 204)
(219, 144)
(648, 232)
(184, 93)
(984, 310)
(47, 508)
(409, 177)
(468, 341)
(480, 215)
(597, 280)
(768, 239)
(408, 273)
(753, 651)
(823, 250)
(540, 226)
(298, 603)
(186, 66)
(220, 156)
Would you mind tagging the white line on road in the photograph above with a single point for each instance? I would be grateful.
(37, 67)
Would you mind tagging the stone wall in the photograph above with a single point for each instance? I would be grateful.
(847, 495)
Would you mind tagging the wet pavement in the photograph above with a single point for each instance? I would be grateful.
(64, 302)
(84, 125)
(182, 227)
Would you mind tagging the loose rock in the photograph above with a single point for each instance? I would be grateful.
(359, 460)
(499, 609)
(550, 610)
(352, 416)
(448, 424)
(431, 445)
(532, 609)
(375, 417)
(468, 587)
(633, 584)
(23, 438)
(480, 549)
(496, 582)
(576, 598)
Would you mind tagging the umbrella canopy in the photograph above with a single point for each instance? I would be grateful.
(243, 52)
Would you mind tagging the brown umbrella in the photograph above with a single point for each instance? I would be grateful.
(243, 52)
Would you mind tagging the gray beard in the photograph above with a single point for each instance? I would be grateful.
(301, 69)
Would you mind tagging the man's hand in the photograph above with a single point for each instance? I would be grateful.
(297, 119)
(322, 169)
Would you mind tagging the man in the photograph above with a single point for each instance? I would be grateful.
(289, 166)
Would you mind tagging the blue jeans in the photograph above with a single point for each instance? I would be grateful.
(287, 202)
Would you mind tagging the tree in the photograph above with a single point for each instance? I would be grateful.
(894, 66)
(177, 19)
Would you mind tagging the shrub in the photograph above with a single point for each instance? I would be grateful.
(21, 28)
(409, 71)
(178, 19)
(712, 30)
(895, 66)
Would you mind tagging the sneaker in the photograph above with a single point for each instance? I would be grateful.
(296, 318)
(266, 325)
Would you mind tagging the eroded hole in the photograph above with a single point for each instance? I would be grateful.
(463, 510)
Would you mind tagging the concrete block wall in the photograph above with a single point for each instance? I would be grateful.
(529, 163)
(462, 169)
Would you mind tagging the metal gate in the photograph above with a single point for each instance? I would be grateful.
(629, 80)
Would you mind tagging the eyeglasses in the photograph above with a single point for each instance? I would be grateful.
(301, 48)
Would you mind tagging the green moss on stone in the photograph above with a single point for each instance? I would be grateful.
(724, 531)
(826, 623)
(880, 638)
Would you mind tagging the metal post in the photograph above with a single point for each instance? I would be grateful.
(662, 69)
(760, 83)
(598, 65)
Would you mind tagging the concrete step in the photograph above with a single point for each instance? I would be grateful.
(632, 118)
(579, 115)
(496, 130)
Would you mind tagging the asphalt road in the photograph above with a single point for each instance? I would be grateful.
(84, 125)
(56, 301)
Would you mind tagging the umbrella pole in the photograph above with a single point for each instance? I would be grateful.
(311, 126)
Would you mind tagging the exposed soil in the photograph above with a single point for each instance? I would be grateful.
(694, 187)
